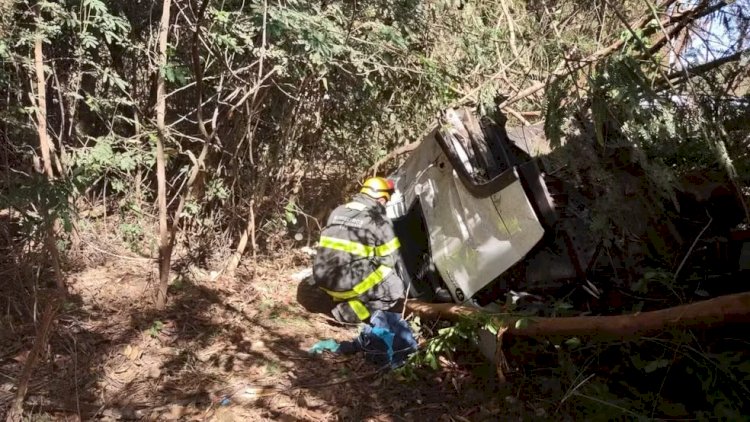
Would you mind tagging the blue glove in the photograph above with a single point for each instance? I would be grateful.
(322, 345)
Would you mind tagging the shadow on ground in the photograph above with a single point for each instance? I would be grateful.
(228, 349)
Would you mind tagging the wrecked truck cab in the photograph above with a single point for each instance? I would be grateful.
(468, 206)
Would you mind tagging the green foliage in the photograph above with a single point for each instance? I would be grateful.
(448, 339)
(638, 138)
(110, 159)
(555, 111)
(132, 234)
(216, 190)
(290, 212)
(653, 378)
(155, 329)
(40, 202)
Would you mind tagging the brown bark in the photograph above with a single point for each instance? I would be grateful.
(15, 413)
(165, 247)
(247, 234)
(46, 150)
(730, 309)
(167, 241)
(249, 231)
(41, 104)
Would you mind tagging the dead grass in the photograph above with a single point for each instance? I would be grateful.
(225, 349)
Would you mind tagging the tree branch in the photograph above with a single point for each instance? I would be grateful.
(705, 314)
(681, 75)
(682, 20)
(198, 72)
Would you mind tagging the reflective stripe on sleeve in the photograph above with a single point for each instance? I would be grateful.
(360, 249)
(347, 246)
(388, 248)
(356, 206)
(372, 280)
(359, 308)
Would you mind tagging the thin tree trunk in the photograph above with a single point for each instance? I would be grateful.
(44, 146)
(165, 247)
(15, 413)
(41, 104)
(248, 233)
(199, 163)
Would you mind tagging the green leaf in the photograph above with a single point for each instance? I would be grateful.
(156, 328)
(117, 185)
(169, 73)
(656, 364)
(290, 212)
(126, 162)
(573, 342)
(522, 323)
(432, 361)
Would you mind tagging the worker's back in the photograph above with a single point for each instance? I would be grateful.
(359, 222)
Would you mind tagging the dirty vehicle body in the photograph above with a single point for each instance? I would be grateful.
(471, 204)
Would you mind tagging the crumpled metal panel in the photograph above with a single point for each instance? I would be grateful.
(473, 240)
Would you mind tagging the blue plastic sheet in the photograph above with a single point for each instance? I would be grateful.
(322, 345)
(387, 340)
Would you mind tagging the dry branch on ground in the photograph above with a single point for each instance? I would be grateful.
(712, 313)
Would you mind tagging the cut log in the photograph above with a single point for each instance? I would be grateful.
(723, 310)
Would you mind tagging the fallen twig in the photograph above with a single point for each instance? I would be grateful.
(337, 382)
(690, 251)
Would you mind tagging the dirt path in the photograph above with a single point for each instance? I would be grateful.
(226, 349)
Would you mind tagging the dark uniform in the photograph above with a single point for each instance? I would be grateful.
(357, 262)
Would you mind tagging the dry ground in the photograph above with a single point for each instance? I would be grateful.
(227, 348)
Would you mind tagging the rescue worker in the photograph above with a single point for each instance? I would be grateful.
(358, 261)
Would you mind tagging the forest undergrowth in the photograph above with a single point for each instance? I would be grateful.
(166, 166)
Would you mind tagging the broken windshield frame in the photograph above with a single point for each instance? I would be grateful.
(478, 189)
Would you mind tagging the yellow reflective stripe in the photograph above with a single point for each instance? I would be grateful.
(388, 248)
(356, 206)
(368, 283)
(360, 249)
(360, 309)
(347, 246)
(340, 295)
(372, 280)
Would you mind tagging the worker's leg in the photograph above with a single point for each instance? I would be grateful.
(344, 312)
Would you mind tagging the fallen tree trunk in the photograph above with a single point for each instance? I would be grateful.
(723, 310)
